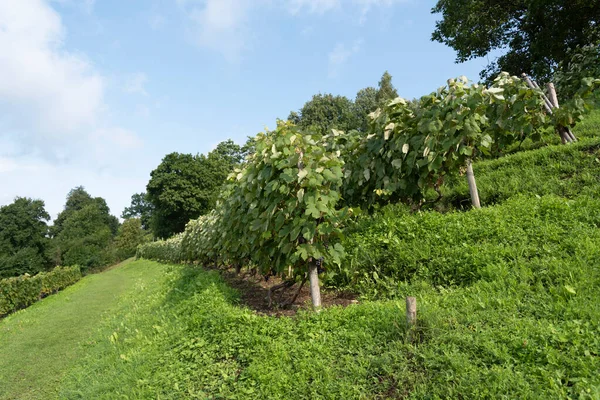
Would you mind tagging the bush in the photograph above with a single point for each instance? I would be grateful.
(24, 290)
(162, 250)
(18, 292)
(58, 279)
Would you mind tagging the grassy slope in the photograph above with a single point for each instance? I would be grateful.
(566, 171)
(39, 344)
(523, 325)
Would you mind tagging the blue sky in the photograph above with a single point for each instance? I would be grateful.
(95, 93)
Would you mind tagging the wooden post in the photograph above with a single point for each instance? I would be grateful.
(411, 311)
(547, 104)
(472, 185)
(565, 131)
(315, 290)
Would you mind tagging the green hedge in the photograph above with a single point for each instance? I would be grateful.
(24, 290)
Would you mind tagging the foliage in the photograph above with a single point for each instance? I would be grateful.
(582, 62)
(140, 208)
(130, 236)
(410, 150)
(364, 104)
(22, 291)
(184, 186)
(536, 33)
(326, 111)
(278, 211)
(168, 250)
(385, 90)
(86, 238)
(77, 199)
(23, 237)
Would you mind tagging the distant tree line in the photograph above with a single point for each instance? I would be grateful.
(84, 234)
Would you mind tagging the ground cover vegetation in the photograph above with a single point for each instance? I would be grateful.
(40, 344)
(379, 196)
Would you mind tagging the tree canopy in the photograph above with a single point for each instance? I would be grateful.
(537, 34)
(326, 111)
(140, 208)
(185, 186)
(23, 237)
(84, 231)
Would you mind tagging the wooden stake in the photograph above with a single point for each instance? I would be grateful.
(411, 311)
(564, 131)
(315, 290)
(533, 85)
(472, 185)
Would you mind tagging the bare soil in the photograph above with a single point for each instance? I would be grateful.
(254, 291)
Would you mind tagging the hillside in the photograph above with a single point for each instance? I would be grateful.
(507, 307)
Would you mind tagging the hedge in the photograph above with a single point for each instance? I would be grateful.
(22, 291)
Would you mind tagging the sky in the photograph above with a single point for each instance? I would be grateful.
(96, 92)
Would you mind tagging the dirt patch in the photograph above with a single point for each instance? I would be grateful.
(254, 291)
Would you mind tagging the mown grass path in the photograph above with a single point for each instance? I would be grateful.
(40, 344)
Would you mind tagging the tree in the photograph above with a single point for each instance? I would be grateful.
(23, 237)
(140, 208)
(84, 231)
(385, 90)
(326, 111)
(583, 62)
(229, 152)
(131, 235)
(184, 186)
(77, 199)
(365, 103)
(536, 33)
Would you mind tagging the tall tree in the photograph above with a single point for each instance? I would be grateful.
(131, 235)
(184, 186)
(385, 90)
(140, 208)
(83, 232)
(326, 111)
(365, 103)
(77, 199)
(536, 34)
(23, 237)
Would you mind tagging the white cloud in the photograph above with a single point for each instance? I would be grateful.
(136, 82)
(51, 100)
(222, 25)
(219, 25)
(341, 54)
(55, 130)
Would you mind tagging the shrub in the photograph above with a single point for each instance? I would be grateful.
(18, 292)
(24, 290)
(58, 279)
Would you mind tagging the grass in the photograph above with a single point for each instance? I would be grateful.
(567, 171)
(507, 306)
(41, 343)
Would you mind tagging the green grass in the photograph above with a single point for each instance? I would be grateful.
(567, 171)
(40, 344)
